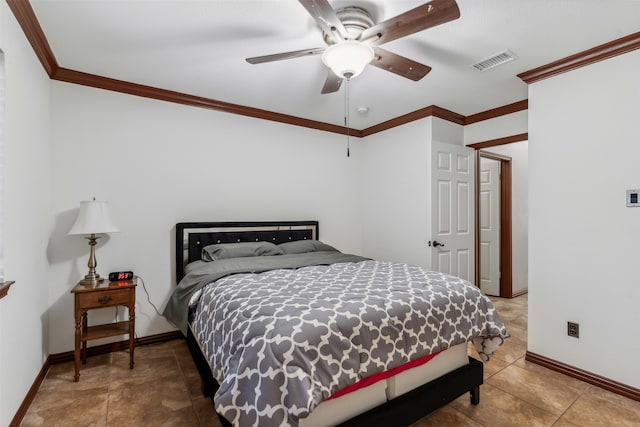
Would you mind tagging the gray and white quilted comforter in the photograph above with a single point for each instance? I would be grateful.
(281, 341)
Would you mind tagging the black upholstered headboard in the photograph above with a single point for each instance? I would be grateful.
(191, 237)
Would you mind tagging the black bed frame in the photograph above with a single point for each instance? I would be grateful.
(404, 410)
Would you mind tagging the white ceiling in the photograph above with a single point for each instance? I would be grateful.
(198, 47)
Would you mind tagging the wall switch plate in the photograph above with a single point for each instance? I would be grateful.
(573, 329)
(633, 198)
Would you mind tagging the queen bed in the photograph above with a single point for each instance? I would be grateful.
(287, 330)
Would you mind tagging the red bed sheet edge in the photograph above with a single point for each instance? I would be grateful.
(365, 382)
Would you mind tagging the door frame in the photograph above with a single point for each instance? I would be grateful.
(506, 254)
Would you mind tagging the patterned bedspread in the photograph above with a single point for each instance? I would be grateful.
(281, 341)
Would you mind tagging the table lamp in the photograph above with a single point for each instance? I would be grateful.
(93, 218)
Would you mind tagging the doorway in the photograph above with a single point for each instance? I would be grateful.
(494, 216)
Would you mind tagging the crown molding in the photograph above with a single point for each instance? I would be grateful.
(584, 58)
(106, 83)
(500, 141)
(4, 288)
(497, 112)
(429, 111)
(27, 19)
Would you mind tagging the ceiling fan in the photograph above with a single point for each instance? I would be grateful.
(353, 39)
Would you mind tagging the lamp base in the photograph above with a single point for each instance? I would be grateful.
(90, 280)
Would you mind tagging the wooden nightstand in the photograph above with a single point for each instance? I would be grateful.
(103, 294)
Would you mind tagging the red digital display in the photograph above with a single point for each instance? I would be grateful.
(120, 275)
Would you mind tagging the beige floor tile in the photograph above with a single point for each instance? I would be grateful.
(517, 333)
(159, 399)
(153, 366)
(510, 351)
(189, 370)
(53, 399)
(598, 407)
(446, 416)
(500, 409)
(85, 409)
(184, 417)
(93, 373)
(492, 367)
(552, 393)
(205, 412)
(564, 423)
(521, 321)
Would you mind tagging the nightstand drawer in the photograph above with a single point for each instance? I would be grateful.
(104, 299)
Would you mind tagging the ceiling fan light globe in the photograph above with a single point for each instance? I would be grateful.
(347, 59)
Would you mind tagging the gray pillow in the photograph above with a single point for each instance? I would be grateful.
(303, 246)
(239, 250)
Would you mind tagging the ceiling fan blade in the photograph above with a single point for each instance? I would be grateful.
(428, 15)
(332, 84)
(285, 55)
(399, 65)
(325, 16)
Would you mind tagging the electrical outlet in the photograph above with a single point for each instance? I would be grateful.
(573, 329)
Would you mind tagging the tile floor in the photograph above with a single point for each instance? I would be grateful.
(164, 390)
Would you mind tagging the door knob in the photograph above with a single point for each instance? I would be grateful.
(435, 243)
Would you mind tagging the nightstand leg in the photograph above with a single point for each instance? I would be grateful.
(77, 348)
(132, 332)
(84, 343)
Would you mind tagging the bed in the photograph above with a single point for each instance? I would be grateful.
(286, 336)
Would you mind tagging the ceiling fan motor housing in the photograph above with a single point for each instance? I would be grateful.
(354, 19)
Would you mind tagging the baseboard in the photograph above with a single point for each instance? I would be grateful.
(31, 394)
(597, 380)
(91, 351)
(520, 293)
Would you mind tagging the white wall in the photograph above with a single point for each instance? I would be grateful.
(24, 311)
(159, 163)
(498, 127)
(447, 132)
(395, 193)
(583, 241)
(396, 190)
(518, 151)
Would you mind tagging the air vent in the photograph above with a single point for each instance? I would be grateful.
(495, 60)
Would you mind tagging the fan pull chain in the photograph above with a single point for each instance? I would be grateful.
(346, 115)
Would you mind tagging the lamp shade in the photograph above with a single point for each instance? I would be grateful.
(347, 59)
(93, 218)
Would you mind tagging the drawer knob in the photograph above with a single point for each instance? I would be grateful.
(105, 299)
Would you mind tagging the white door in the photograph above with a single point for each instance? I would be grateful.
(452, 201)
(489, 224)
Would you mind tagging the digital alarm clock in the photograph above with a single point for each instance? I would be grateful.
(120, 275)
